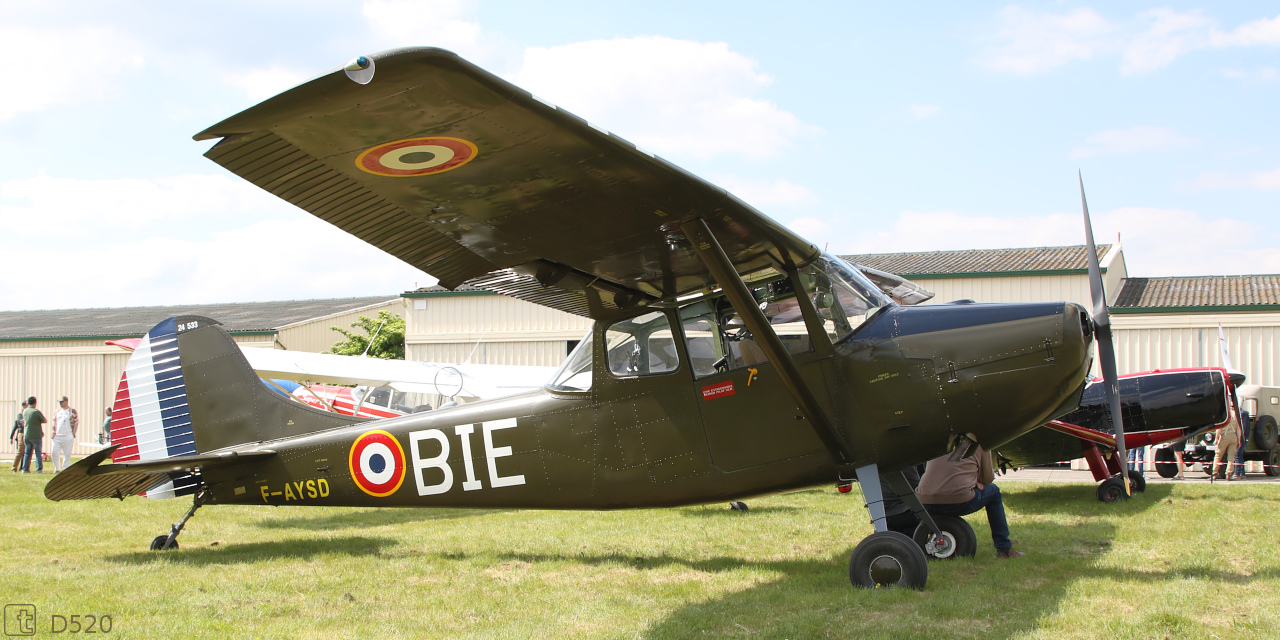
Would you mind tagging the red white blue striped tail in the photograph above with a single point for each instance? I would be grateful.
(150, 419)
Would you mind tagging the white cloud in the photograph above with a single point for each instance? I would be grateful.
(1129, 140)
(49, 67)
(1030, 42)
(676, 97)
(923, 111)
(1170, 35)
(448, 24)
(763, 194)
(1268, 180)
(260, 84)
(1259, 32)
(74, 207)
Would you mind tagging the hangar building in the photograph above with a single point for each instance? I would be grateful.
(48, 354)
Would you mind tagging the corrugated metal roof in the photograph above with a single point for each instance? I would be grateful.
(1199, 291)
(136, 321)
(915, 264)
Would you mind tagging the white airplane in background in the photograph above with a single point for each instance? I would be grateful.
(378, 388)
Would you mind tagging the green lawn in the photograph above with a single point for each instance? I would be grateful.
(1181, 561)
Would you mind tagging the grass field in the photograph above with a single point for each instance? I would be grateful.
(1181, 561)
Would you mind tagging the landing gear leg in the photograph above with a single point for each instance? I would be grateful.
(943, 537)
(170, 541)
(885, 558)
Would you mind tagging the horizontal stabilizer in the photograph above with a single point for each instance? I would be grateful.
(89, 478)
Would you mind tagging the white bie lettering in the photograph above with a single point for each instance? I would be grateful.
(491, 453)
(464, 433)
(437, 462)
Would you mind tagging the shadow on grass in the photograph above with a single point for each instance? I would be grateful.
(370, 518)
(723, 511)
(1065, 499)
(259, 551)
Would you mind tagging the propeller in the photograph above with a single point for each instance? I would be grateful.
(1106, 348)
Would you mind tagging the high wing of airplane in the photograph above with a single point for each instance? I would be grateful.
(728, 358)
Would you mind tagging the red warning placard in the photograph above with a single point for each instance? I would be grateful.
(717, 390)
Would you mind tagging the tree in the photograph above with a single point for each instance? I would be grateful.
(387, 331)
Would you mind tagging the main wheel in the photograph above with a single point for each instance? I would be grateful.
(888, 559)
(158, 543)
(957, 539)
(1265, 432)
(1111, 489)
(1273, 462)
(1137, 481)
(1166, 463)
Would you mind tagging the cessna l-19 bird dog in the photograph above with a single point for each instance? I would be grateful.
(729, 357)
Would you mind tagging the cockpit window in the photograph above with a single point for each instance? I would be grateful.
(718, 339)
(575, 373)
(843, 297)
(641, 346)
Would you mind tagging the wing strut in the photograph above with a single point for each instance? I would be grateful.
(709, 250)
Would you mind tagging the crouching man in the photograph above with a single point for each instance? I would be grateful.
(964, 487)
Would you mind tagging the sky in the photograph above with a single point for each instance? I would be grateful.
(864, 127)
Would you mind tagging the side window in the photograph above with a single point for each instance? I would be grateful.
(641, 346)
(718, 338)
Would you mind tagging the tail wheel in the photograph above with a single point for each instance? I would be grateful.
(1111, 489)
(957, 539)
(888, 559)
(1166, 463)
(158, 543)
(738, 506)
(1137, 481)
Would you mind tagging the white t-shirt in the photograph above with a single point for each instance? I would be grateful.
(62, 423)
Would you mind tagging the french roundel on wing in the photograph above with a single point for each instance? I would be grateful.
(377, 463)
(417, 156)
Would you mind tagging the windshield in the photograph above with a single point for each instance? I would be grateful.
(575, 373)
(843, 296)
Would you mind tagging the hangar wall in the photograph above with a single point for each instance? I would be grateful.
(1167, 341)
(86, 371)
(316, 335)
(482, 327)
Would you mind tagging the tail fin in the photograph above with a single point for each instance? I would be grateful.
(188, 390)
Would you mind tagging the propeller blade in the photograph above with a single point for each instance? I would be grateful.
(1106, 348)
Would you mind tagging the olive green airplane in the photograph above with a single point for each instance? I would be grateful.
(729, 357)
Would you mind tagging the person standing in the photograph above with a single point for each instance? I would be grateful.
(105, 435)
(1229, 438)
(964, 487)
(33, 436)
(16, 436)
(65, 424)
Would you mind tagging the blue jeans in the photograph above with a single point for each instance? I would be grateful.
(32, 446)
(1137, 454)
(989, 498)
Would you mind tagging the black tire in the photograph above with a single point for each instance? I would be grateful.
(888, 559)
(1166, 463)
(158, 543)
(1273, 462)
(958, 539)
(1265, 432)
(1137, 481)
(1111, 489)
(738, 506)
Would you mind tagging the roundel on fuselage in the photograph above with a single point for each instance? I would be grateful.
(377, 463)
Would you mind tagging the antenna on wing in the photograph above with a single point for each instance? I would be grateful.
(373, 337)
(1106, 348)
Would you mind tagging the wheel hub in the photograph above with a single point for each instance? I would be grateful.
(885, 570)
(942, 546)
